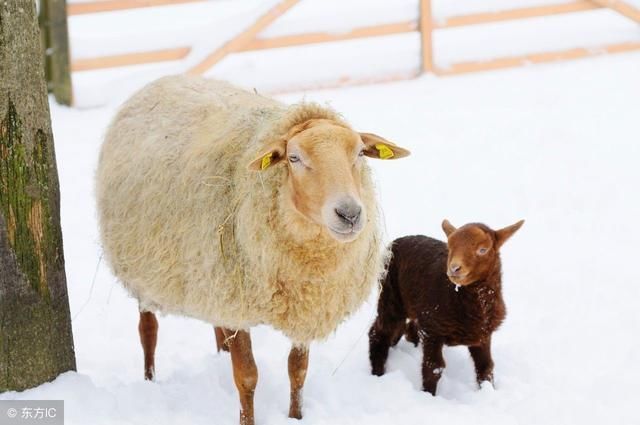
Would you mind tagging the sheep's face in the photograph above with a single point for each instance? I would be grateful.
(474, 250)
(324, 161)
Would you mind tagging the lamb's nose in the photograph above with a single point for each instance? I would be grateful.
(454, 268)
(349, 213)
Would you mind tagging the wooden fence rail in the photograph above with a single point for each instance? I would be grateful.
(115, 5)
(250, 40)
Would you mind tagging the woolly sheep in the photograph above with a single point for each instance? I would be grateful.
(229, 207)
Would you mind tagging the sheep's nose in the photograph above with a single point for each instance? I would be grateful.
(349, 213)
(454, 269)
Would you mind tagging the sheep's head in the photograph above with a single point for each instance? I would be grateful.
(324, 160)
(474, 250)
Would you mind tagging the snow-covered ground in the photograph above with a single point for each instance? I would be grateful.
(558, 145)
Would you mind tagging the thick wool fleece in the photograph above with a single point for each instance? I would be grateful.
(189, 230)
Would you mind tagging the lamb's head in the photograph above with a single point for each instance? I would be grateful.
(324, 159)
(474, 250)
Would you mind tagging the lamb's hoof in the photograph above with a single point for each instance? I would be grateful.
(429, 388)
(377, 371)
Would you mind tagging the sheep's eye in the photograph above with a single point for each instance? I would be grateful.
(361, 153)
(482, 251)
(294, 158)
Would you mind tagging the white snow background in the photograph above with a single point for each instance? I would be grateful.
(557, 145)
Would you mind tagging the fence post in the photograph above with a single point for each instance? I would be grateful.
(55, 42)
(426, 29)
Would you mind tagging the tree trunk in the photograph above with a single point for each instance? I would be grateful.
(36, 343)
(55, 42)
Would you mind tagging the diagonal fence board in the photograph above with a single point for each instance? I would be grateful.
(243, 38)
(621, 7)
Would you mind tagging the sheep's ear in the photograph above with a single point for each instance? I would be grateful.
(503, 235)
(448, 227)
(378, 147)
(274, 154)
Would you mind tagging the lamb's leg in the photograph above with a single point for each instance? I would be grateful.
(148, 329)
(389, 326)
(432, 364)
(245, 373)
(384, 333)
(298, 362)
(481, 356)
(220, 340)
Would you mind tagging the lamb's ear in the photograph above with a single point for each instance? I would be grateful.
(274, 154)
(448, 227)
(378, 147)
(503, 235)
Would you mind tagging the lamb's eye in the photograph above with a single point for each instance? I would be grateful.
(482, 251)
(294, 158)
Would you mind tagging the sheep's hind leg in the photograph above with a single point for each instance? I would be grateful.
(245, 372)
(148, 329)
(220, 340)
(483, 362)
(298, 362)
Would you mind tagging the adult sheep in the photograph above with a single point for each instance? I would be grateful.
(229, 207)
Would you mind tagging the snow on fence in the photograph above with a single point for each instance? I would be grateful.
(250, 40)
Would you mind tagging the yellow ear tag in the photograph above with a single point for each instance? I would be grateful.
(266, 160)
(384, 152)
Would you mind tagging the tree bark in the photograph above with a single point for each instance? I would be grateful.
(36, 343)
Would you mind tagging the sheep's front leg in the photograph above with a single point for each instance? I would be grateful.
(298, 362)
(148, 330)
(220, 340)
(432, 364)
(483, 362)
(245, 372)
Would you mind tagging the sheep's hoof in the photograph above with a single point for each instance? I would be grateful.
(246, 419)
(149, 374)
(295, 414)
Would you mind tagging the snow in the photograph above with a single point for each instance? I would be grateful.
(554, 144)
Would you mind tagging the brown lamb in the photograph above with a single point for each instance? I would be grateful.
(442, 294)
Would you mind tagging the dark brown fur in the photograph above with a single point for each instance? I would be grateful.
(420, 299)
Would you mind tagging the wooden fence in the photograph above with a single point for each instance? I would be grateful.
(250, 40)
